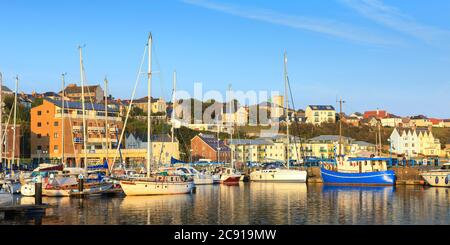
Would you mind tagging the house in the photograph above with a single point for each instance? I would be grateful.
(421, 121)
(237, 116)
(446, 123)
(204, 146)
(6, 91)
(92, 94)
(371, 122)
(357, 115)
(163, 148)
(378, 114)
(318, 114)
(158, 105)
(391, 121)
(353, 121)
(414, 142)
(437, 123)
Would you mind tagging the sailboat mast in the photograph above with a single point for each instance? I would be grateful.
(231, 125)
(286, 94)
(379, 138)
(62, 119)
(14, 127)
(173, 103)
(83, 107)
(340, 126)
(106, 121)
(149, 104)
(1, 119)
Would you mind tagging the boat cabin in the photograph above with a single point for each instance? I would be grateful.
(362, 164)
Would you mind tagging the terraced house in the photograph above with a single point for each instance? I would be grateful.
(414, 142)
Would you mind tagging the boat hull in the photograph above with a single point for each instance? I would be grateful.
(56, 192)
(28, 189)
(203, 180)
(148, 188)
(279, 175)
(230, 179)
(6, 199)
(437, 179)
(370, 178)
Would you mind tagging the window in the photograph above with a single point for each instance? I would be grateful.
(55, 135)
(55, 147)
(39, 113)
(39, 136)
(55, 124)
(39, 124)
(39, 147)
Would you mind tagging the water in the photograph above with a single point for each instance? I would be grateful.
(257, 203)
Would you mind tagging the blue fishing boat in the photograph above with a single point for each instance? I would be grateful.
(358, 171)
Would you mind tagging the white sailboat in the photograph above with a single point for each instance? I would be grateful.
(12, 180)
(282, 175)
(156, 183)
(230, 175)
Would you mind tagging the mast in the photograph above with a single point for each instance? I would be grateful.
(62, 119)
(286, 94)
(231, 126)
(173, 102)
(149, 104)
(83, 107)
(340, 126)
(1, 119)
(218, 141)
(379, 138)
(106, 121)
(14, 127)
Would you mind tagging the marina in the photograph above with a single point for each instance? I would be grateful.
(164, 113)
(255, 203)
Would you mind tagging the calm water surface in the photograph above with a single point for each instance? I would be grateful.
(256, 203)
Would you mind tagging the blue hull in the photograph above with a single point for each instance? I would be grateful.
(371, 178)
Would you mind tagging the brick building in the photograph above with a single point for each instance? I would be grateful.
(205, 146)
(94, 93)
(46, 131)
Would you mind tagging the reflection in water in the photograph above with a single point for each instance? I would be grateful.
(257, 203)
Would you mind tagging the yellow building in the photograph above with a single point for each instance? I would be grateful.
(317, 114)
(158, 105)
(163, 149)
(278, 106)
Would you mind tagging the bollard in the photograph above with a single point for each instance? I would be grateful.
(80, 183)
(38, 191)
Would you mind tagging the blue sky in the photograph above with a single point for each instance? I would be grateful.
(393, 55)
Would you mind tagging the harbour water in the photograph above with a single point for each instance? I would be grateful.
(256, 203)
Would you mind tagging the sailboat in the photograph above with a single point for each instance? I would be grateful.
(157, 183)
(229, 176)
(348, 170)
(287, 175)
(13, 181)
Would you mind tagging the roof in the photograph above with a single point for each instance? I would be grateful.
(250, 142)
(329, 138)
(79, 105)
(376, 113)
(77, 89)
(363, 143)
(144, 100)
(6, 89)
(417, 130)
(322, 107)
(212, 142)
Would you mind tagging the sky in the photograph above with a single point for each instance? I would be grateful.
(386, 54)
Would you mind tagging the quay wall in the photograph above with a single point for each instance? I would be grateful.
(405, 175)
